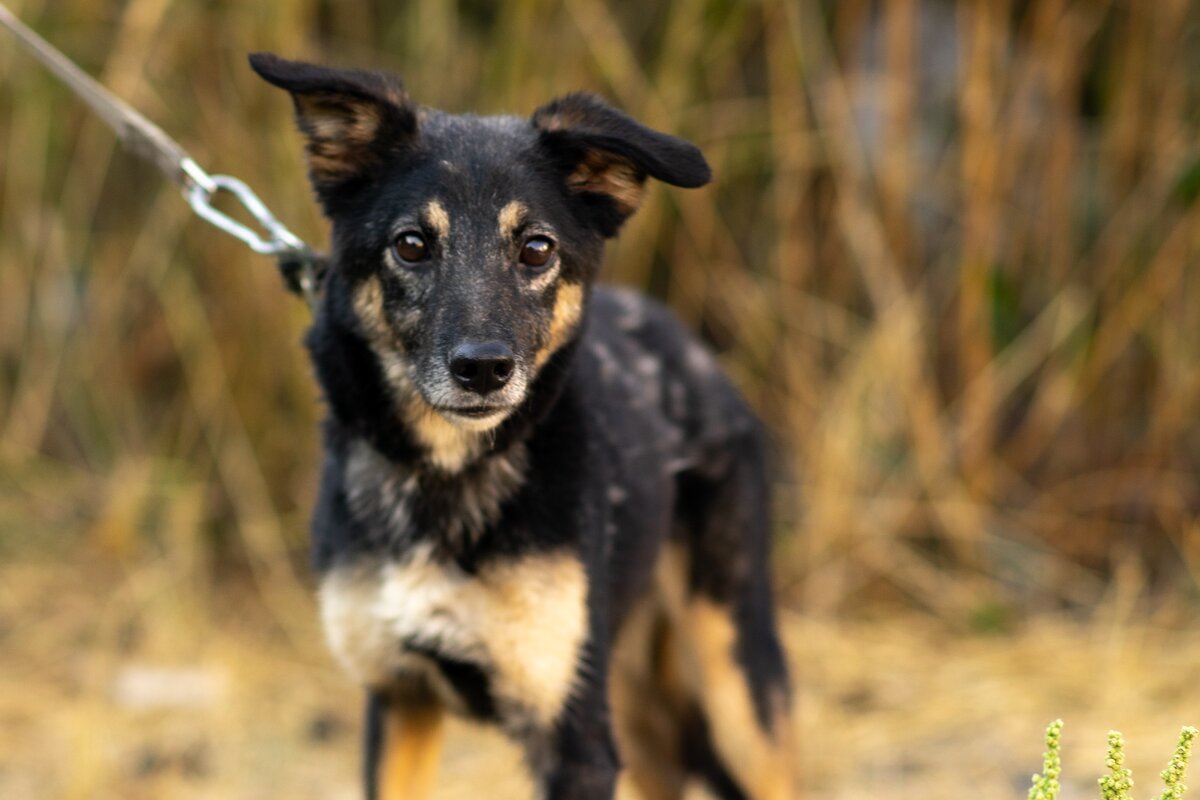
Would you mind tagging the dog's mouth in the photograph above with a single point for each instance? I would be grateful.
(474, 412)
(474, 418)
(471, 411)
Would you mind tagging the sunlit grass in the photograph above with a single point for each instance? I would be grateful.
(966, 309)
(946, 254)
(951, 254)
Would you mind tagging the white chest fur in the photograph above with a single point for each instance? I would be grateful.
(523, 621)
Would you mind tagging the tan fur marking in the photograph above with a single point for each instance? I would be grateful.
(568, 308)
(561, 120)
(704, 635)
(647, 701)
(450, 446)
(412, 747)
(602, 173)
(368, 307)
(510, 217)
(670, 579)
(438, 218)
(537, 630)
(526, 618)
(365, 126)
(395, 96)
(334, 165)
(760, 762)
(340, 123)
(338, 134)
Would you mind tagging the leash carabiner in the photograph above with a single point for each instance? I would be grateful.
(301, 267)
(202, 187)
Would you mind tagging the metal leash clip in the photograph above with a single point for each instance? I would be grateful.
(202, 187)
(302, 269)
(300, 266)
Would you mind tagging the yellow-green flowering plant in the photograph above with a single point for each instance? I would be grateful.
(1118, 783)
(1045, 785)
(1119, 780)
(1173, 775)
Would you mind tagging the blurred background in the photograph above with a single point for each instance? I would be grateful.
(951, 255)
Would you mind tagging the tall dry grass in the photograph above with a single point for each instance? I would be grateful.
(950, 253)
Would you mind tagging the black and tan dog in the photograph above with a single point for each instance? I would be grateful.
(542, 505)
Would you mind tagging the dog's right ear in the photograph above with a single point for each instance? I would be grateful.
(352, 119)
(606, 156)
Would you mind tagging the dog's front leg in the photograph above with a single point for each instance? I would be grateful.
(580, 760)
(584, 765)
(403, 744)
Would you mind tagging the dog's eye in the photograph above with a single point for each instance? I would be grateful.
(410, 247)
(536, 252)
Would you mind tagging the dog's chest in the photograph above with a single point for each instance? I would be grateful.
(399, 506)
(521, 622)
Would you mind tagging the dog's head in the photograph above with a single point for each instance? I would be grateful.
(463, 246)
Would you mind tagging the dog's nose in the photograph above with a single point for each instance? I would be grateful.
(481, 367)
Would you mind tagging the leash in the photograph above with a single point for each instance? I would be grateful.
(301, 268)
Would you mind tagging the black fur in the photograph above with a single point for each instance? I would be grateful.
(596, 125)
(623, 437)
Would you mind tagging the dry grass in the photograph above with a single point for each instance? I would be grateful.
(894, 707)
(951, 254)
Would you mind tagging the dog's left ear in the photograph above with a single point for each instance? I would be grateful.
(606, 156)
(352, 119)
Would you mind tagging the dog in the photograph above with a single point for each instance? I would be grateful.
(541, 503)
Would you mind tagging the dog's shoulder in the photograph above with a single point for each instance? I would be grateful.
(640, 362)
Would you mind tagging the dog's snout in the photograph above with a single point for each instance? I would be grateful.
(481, 367)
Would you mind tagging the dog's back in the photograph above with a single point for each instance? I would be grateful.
(698, 682)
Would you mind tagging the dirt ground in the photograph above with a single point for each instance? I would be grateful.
(130, 685)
